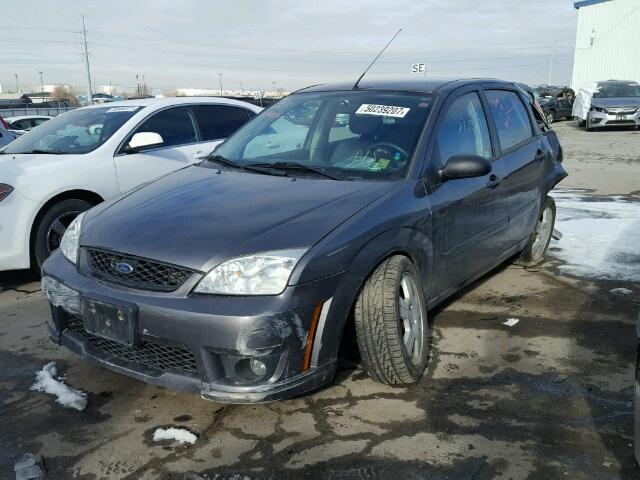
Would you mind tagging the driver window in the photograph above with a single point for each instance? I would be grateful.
(288, 133)
(464, 129)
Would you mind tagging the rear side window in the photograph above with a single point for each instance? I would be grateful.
(174, 125)
(220, 121)
(464, 129)
(510, 117)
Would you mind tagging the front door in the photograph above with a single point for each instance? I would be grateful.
(469, 213)
(180, 147)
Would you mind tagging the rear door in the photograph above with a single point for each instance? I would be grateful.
(523, 151)
(217, 122)
(177, 126)
(468, 213)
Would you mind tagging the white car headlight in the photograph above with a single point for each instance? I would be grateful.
(264, 273)
(71, 239)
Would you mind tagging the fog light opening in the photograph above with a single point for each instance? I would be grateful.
(258, 367)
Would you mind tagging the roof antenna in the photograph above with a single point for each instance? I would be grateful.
(355, 85)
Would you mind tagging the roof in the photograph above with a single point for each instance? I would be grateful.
(586, 3)
(168, 101)
(423, 85)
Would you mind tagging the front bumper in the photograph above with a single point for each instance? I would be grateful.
(597, 119)
(17, 213)
(195, 343)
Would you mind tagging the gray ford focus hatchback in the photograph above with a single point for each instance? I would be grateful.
(339, 206)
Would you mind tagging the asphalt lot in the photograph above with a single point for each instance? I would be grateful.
(550, 397)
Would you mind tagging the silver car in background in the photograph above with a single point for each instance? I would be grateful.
(614, 103)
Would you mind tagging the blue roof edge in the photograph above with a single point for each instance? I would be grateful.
(586, 3)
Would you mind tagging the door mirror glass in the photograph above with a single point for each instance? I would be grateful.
(465, 166)
(142, 140)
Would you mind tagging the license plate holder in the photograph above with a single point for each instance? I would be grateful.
(113, 322)
(621, 116)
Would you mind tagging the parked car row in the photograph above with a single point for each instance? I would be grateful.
(235, 276)
(80, 158)
(23, 124)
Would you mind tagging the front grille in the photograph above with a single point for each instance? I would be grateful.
(145, 274)
(156, 357)
(622, 111)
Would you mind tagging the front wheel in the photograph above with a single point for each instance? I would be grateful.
(391, 323)
(52, 226)
(536, 248)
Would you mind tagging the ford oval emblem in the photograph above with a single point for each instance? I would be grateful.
(124, 267)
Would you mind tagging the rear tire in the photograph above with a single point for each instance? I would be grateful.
(549, 118)
(534, 252)
(51, 227)
(582, 123)
(391, 323)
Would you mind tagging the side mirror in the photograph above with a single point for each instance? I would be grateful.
(142, 140)
(465, 166)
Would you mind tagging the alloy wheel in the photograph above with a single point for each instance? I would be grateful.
(411, 318)
(57, 228)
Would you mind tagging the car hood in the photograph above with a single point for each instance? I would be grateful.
(616, 102)
(198, 217)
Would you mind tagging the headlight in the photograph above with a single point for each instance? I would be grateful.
(264, 273)
(71, 239)
(599, 109)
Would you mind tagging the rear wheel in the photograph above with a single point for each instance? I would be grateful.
(52, 226)
(549, 117)
(391, 323)
(539, 240)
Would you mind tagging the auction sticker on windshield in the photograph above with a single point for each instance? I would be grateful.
(382, 110)
(122, 109)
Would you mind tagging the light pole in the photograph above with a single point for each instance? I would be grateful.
(42, 87)
(137, 84)
(17, 86)
(241, 89)
(274, 89)
(144, 85)
(220, 77)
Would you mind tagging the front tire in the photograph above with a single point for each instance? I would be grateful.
(391, 323)
(534, 252)
(51, 227)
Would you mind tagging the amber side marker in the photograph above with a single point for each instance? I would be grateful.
(311, 335)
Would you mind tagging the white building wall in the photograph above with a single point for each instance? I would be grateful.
(607, 42)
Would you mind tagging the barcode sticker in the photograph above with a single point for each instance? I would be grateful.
(382, 110)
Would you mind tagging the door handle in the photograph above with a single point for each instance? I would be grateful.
(493, 182)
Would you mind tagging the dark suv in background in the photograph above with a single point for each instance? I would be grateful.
(365, 205)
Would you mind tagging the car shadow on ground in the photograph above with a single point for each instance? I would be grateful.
(20, 280)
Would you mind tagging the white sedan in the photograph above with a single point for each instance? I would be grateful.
(80, 158)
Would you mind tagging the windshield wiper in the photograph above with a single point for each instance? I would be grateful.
(252, 168)
(38, 151)
(289, 166)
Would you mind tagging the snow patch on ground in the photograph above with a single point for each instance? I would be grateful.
(600, 236)
(66, 396)
(621, 291)
(179, 434)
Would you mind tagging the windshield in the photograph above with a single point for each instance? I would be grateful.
(75, 132)
(347, 135)
(617, 90)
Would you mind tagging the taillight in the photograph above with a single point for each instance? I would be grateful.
(5, 190)
(4, 123)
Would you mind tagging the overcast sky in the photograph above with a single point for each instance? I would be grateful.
(186, 43)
